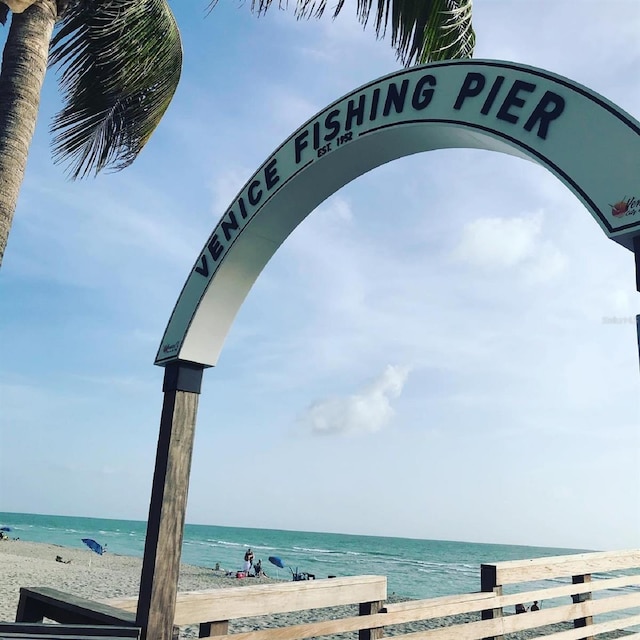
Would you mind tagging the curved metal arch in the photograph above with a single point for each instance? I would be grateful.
(589, 143)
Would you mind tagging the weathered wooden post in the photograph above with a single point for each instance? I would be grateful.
(367, 609)
(489, 584)
(578, 623)
(210, 629)
(163, 544)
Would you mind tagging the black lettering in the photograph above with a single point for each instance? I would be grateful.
(203, 269)
(513, 100)
(316, 135)
(231, 225)
(493, 92)
(300, 143)
(253, 197)
(395, 98)
(215, 247)
(373, 112)
(355, 112)
(243, 208)
(421, 96)
(271, 177)
(332, 125)
(543, 116)
(473, 84)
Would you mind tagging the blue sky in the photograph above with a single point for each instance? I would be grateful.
(428, 355)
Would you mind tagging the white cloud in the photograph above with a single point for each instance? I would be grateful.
(368, 411)
(499, 242)
(494, 243)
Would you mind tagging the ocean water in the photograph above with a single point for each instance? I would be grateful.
(414, 568)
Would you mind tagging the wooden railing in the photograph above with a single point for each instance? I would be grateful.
(567, 613)
(214, 608)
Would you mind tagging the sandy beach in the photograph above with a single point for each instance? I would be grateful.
(31, 564)
(86, 574)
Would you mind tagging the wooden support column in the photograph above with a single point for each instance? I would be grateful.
(489, 584)
(582, 597)
(165, 527)
(367, 609)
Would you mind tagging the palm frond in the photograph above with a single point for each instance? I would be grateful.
(421, 30)
(119, 67)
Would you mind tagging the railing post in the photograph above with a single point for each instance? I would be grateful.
(489, 584)
(578, 623)
(367, 609)
(210, 629)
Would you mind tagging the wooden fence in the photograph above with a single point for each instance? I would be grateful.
(573, 601)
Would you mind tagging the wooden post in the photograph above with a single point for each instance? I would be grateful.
(165, 527)
(210, 629)
(367, 609)
(582, 597)
(488, 584)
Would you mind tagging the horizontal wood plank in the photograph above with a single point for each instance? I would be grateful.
(531, 620)
(194, 607)
(70, 609)
(51, 636)
(310, 629)
(513, 571)
(65, 630)
(473, 602)
(595, 629)
(442, 601)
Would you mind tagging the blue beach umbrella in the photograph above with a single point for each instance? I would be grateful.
(278, 562)
(94, 546)
(6, 529)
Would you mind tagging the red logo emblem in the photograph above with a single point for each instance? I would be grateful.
(625, 207)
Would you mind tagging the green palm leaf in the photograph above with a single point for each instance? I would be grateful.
(421, 30)
(119, 66)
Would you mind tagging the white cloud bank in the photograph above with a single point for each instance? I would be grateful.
(368, 411)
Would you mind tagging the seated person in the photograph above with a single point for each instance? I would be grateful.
(257, 569)
(520, 608)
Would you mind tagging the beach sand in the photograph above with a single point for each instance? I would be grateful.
(30, 564)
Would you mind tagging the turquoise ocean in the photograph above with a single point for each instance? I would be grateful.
(414, 568)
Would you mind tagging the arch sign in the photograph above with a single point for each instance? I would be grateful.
(590, 144)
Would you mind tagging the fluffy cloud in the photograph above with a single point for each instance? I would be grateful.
(499, 242)
(504, 243)
(367, 411)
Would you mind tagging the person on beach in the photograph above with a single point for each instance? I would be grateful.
(520, 608)
(534, 606)
(248, 561)
(257, 570)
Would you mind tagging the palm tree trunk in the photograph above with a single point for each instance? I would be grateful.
(24, 64)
